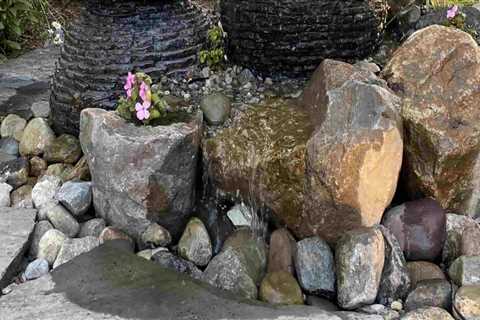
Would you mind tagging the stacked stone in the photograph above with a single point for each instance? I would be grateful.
(294, 36)
(109, 40)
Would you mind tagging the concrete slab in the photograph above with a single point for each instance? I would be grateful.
(110, 283)
(16, 226)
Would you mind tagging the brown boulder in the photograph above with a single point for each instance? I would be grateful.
(281, 252)
(423, 270)
(324, 169)
(437, 71)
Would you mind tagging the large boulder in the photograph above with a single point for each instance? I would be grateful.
(322, 169)
(437, 71)
(419, 227)
(456, 226)
(141, 174)
(359, 256)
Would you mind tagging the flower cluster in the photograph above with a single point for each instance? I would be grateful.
(141, 104)
(56, 34)
(457, 19)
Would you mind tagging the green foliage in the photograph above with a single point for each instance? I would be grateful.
(15, 17)
(126, 105)
(446, 3)
(214, 55)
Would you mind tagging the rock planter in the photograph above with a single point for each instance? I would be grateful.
(295, 36)
(141, 174)
(111, 38)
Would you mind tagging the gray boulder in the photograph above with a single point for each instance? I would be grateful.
(360, 256)
(430, 293)
(456, 226)
(74, 247)
(76, 197)
(216, 108)
(9, 146)
(44, 191)
(465, 271)
(13, 126)
(15, 172)
(22, 197)
(195, 244)
(36, 137)
(36, 269)
(155, 236)
(315, 266)
(62, 220)
(40, 229)
(93, 227)
(395, 282)
(5, 190)
(50, 244)
(169, 260)
(141, 173)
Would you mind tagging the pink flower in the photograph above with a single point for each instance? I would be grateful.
(452, 12)
(129, 84)
(144, 89)
(142, 110)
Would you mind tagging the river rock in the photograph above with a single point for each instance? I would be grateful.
(431, 313)
(60, 170)
(36, 137)
(76, 197)
(423, 270)
(252, 249)
(40, 229)
(430, 293)
(155, 236)
(62, 220)
(467, 303)
(456, 226)
(50, 244)
(419, 227)
(266, 139)
(5, 190)
(280, 288)
(195, 245)
(436, 72)
(216, 108)
(22, 197)
(381, 310)
(36, 269)
(395, 281)
(45, 190)
(38, 166)
(168, 260)
(9, 146)
(112, 233)
(281, 252)
(80, 171)
(65, 148)
(93, 228)
(240, 215)
(166, 156)
(315, 266)
(465, 271)
(74, 247)
(13, 126)
(360, 256)
(15, 172)
(41, 109)
(229, 271)
(470, 244)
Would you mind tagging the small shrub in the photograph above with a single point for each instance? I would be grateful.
(214, 56)
(15, 17)
(141, 104)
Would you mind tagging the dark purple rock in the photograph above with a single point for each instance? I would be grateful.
(420, 228)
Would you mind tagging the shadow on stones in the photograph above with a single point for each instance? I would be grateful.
(114, 281)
